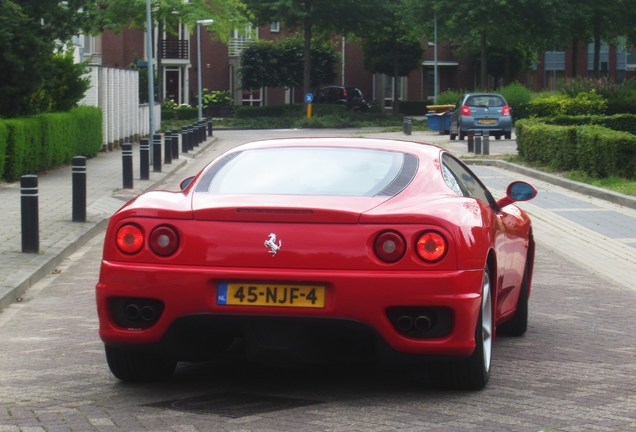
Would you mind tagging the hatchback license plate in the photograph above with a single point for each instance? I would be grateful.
(263, 294)
(487, 121)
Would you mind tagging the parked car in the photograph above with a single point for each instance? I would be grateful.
(350, 97)
(318, 250)
(480, 112)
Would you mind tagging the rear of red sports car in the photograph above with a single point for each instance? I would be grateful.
(303, 251)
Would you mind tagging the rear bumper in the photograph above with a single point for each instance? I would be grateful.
(354, 299)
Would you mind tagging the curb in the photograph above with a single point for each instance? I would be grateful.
(596, 192)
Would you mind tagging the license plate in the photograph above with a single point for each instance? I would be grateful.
(263, 294)
(487, 121)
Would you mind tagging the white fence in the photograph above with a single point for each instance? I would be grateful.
(116, 92)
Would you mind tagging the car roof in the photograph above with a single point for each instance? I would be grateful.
(423, 151)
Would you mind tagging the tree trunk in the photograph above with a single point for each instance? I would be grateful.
(307, 50)
(508, 68)
(483, 79)
(575, 57)
(597, 44)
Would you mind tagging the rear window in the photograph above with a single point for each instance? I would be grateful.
(485, 101)
(311, 171)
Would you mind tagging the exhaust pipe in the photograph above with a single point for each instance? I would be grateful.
(404, 323)
(147, 313)
(422, 323)
(132, 311)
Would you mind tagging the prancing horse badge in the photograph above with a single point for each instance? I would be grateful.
(271, 244)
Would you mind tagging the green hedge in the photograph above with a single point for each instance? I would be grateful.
(602, 152)
(619, 122)
(180, 113)
(595, 149)
(44, 141)
(4, 137)
(551, 105)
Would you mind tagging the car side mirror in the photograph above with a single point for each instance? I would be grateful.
(517, 191)
(186, 182)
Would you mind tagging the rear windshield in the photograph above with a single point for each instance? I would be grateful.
(311, 171)
(485, 101)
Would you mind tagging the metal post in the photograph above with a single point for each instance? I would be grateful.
(167, 148)
(184, 140)
(485, 150)
(144, 159)
(407, 125)
(210, 132)
(471, 142)
(156, 153)
(127, 165)
(175, 144)
(78, 174)
(195, 134)
(151, 73)
(478, 144)
(30, 213)
(190, 135)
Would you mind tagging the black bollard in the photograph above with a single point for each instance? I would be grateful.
(195, 134)
(175, 144)
(478, 144)
(30, 213)
(471, 143)
(407, 125)
(78, 174)
(210, 131)
(184, 140)
(156, 153)
(167, 148)
(485, 148)
(127, 165)
(190, 134)
(144, 159)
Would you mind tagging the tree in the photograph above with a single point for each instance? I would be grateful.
(280, 64)
(314, 16)
(506, 26)
(118, 15)
(30, 33)
(393, 46)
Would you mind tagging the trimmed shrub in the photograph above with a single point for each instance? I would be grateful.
(88, 138)
(551, 105)
(551, 145)
(518, 97)
(448, 97)
(271, 111)
(24, 148)
(602, 152)
(4, 137)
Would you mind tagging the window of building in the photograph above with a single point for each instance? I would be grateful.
(603, 60)
(252, 97)
(388, 90)
(239, 39)
(275, 27)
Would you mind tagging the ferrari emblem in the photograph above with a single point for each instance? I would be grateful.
(271, 244)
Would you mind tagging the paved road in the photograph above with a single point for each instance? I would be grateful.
(575, 370)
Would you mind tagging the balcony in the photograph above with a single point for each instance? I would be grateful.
(175, 49)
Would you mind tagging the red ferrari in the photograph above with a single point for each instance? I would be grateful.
(319, 249)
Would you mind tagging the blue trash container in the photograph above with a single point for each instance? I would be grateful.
(439, 122)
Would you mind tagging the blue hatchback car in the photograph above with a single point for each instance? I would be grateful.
(480, 112)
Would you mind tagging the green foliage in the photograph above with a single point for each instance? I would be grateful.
(216, 98)
(518, 97)
(4, 136)
(550, 105)
(170, 110)
(37, 143)
(572, 87)
(448, 97)
(280, 64)
(623, 101)
(602, 152)
(596, 150)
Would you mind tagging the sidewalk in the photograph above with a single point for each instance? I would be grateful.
(59, 236)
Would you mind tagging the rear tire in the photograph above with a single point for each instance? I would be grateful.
(471, 373)
(518, 324)
(139, 366)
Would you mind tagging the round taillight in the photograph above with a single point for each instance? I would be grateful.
(431, 246)
(389, 246)
(164, 241)
(130, 239)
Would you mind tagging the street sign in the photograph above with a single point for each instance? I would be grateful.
(309, 98)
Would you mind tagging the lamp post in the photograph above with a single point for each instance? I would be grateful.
(199, 23)
(151, 74)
